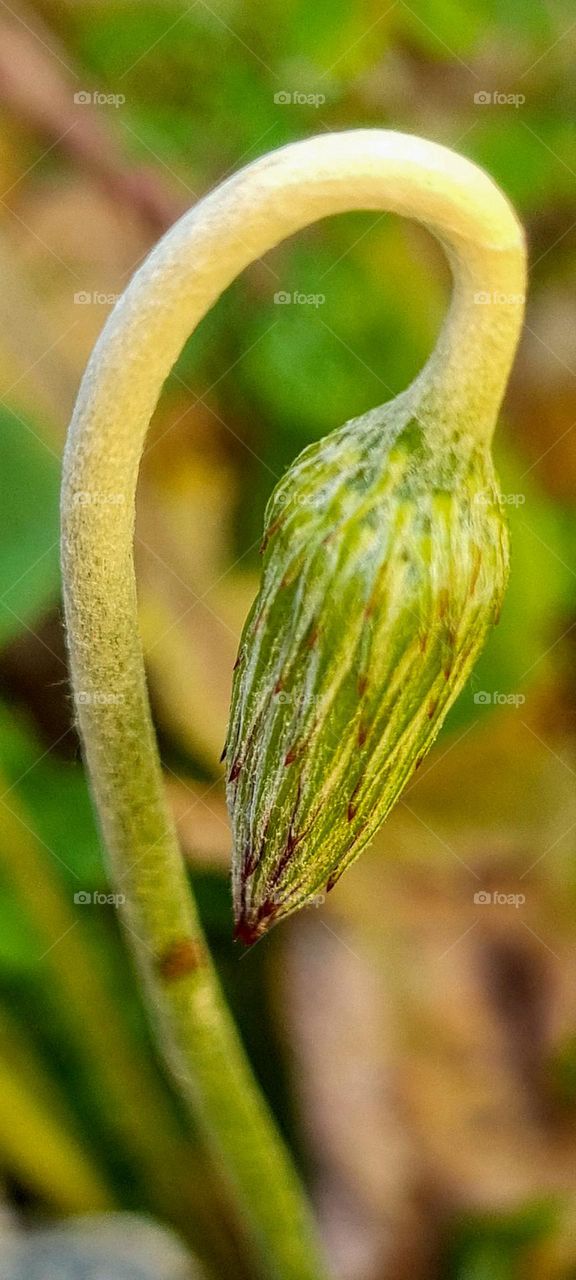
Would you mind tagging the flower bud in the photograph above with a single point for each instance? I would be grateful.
(385, 563)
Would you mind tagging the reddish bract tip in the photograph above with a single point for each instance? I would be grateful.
(250, 931)
(246, 933)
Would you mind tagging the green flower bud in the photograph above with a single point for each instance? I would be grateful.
(385, 563)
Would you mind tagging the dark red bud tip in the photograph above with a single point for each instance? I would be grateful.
(246, 933)
(250, 931)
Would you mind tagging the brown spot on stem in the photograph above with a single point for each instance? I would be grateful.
(362, 685)
(362, 734)
(180, 959)
(235, 770)
(432, 709)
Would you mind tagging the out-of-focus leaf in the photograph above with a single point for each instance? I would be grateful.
(29, 541)
(57, 801)
(18, 940)
(334, 39)
(40, 1141)
(343, 339)
(444, 31)
(499, 1247)
(527, 156)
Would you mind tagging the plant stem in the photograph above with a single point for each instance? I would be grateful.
(134, 1107)
(176, 286)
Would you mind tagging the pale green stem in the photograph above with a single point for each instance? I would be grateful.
(169, 295)
(133, 1103)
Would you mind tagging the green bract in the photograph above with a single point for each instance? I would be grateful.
(385, 562)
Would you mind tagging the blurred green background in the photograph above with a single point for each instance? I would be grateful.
(419, 1047)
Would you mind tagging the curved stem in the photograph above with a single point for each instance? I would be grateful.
(169, 295)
